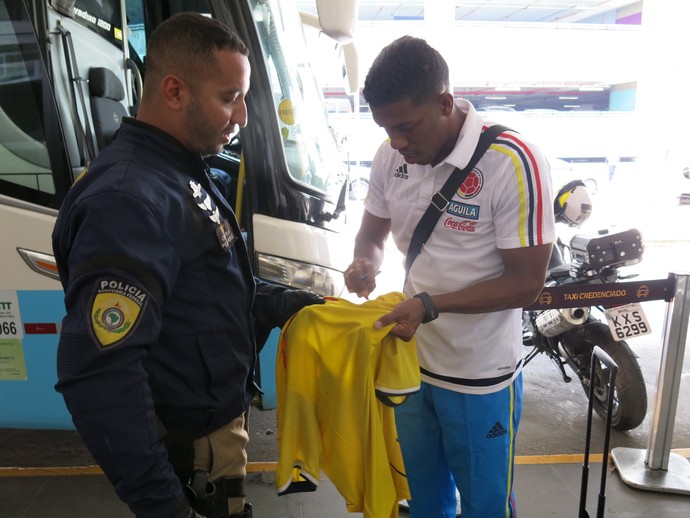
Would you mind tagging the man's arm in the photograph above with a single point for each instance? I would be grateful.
(519, 285)
(360, 276)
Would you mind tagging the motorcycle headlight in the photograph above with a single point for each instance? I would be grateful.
(326, 282)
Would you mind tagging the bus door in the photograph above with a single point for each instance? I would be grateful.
(34, 175)
(47, 136)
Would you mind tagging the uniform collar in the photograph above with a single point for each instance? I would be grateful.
(187, 160)
(469, 135)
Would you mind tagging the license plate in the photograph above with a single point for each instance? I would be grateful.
(627, 321)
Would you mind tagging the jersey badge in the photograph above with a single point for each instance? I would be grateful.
(472, 185)
(115, 310)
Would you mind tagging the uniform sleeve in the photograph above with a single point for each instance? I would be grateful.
(120, 267)
(523, 207)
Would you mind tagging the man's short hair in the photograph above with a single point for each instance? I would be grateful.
(408, 67)
(184, 45)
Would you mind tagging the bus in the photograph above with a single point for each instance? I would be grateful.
(69, 72)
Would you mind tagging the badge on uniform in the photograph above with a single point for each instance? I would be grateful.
(115, 310)
(226, 237)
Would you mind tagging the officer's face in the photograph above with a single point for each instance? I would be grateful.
(217, 108)
(421, 134)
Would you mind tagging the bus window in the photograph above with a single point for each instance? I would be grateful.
(137, 23)
(137, 30)
(26, 111)
(102, 17)
(310, 147)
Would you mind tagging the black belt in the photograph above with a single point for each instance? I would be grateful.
(469, 382)
(206, 420)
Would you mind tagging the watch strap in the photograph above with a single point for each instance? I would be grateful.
(430, 309)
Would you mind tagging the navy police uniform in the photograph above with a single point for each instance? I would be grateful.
(159, 295)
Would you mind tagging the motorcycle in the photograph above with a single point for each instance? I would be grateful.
(568, 336)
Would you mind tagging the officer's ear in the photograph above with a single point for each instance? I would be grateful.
(175, 92)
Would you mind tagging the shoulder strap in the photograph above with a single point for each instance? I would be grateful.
(440, 200)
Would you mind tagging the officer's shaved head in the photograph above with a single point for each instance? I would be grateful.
(184, 45)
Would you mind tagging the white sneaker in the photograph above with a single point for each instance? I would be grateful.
(405, 505)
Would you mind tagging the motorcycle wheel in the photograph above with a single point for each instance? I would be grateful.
(630, 392)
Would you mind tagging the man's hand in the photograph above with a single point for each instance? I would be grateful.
(407, 316)
(360, 277)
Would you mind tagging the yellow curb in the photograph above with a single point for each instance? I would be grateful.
(263, 467)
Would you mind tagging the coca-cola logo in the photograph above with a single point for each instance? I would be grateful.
(461, 226)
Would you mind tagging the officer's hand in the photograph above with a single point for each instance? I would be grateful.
(274, 305)
(193, 514)
(407, 317)
(183, 510)
(360, 277)
(291, 301)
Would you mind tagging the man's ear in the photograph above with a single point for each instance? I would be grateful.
(446, 101)
(174, 92)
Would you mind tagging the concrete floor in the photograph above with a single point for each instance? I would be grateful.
(543, 491)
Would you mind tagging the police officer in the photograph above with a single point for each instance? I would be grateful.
(158, 345)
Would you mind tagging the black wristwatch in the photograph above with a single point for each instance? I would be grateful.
(430, 309)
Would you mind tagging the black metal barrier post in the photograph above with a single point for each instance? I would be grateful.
(655, 469)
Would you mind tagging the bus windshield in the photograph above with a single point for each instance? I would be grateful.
(310, 147)
(25, 163)
(100, 16)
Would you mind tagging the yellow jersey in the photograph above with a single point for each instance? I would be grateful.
(338, 379)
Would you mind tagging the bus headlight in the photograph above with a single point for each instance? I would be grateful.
(296, 274)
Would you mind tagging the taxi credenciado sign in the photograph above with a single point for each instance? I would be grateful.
(608, 294)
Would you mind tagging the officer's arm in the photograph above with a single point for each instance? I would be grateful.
(113, 319)
(274, 305)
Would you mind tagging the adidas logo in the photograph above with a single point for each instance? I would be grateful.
(496, 431)
(401, 172)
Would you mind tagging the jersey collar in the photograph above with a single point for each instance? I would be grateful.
(469, 135)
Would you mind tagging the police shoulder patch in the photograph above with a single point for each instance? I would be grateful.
(116, 307)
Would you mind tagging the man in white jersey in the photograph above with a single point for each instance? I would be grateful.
(485, 259)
